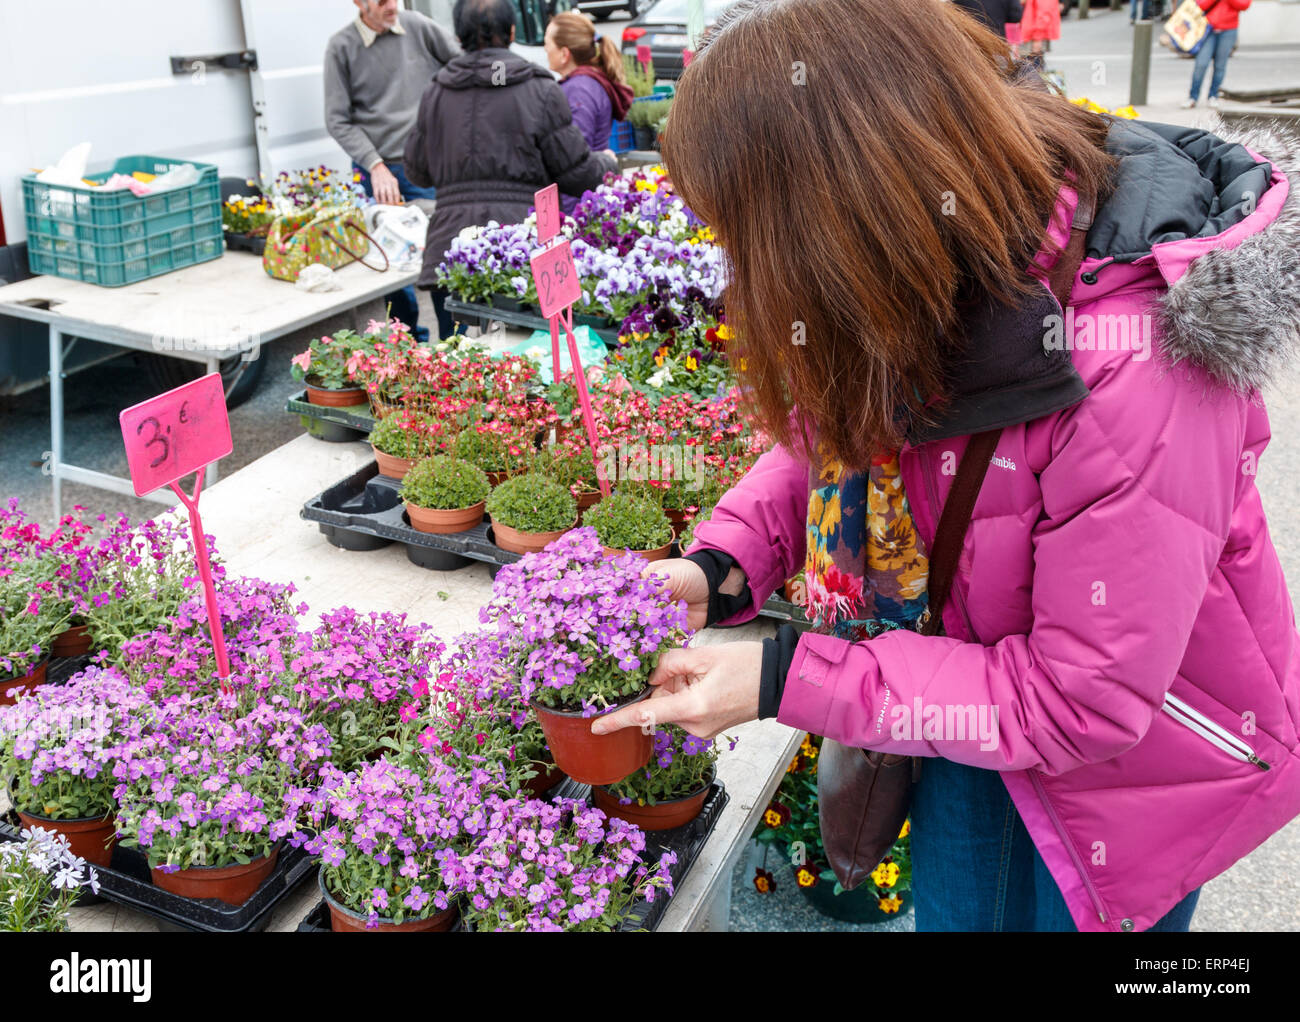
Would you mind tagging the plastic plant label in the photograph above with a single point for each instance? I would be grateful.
(547, 203)
(176, 433)
(556, 278)
(643, 54)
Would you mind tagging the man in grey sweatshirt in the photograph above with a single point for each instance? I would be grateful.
(376, 70)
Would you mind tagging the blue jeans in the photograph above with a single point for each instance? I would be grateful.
(403, 302)
(1217, 46)
(1133, 10)
(974, 866)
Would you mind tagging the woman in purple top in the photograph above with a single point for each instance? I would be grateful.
(591, 74)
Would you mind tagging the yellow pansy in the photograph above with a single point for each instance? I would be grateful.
(724, 332)
(907, 829)
(885, 875)
(891, 904)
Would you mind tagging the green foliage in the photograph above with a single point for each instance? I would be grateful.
(403, 435)
(623, 521)
(647, 115)
(681, 766)
(641, 77)
(533, 503)
(444, 483)
(492, 447)
(325, 362)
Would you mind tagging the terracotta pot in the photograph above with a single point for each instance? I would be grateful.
(593, 759)
(436, 520)
(666, 815)
(678, 520)
(73, 642)
(657, 554)
(392, 466)
(344, 920)
(544, 781)
(92, 837)
(586, 500)
(232, 884)
(524, 542)
(34, 677)
(345, 398)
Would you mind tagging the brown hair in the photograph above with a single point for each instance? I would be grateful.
(867, 165)
(578, 32)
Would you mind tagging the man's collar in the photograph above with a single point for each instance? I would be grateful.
(369, 35)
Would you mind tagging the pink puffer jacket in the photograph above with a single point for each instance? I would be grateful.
(1118, 603)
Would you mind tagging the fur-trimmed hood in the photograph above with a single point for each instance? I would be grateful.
(1202, 204)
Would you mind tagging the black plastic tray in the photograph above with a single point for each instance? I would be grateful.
(686, 841)
(127, 882)
(337, 425)
(246, 242)
(478, 313)
(365, 512)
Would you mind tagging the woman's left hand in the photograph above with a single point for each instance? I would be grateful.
(704, 689)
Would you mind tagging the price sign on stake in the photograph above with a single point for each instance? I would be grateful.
(556, 278)
(547, 203)
(167, 438)
(557, 289)
(643, 53)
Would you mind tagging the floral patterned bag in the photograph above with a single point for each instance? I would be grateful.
(332, 235)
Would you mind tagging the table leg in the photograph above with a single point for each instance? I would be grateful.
(210, 473)
(55, 453)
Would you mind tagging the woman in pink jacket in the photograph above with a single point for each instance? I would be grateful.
(1110, 711)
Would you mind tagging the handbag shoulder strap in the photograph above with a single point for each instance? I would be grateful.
(957, 509)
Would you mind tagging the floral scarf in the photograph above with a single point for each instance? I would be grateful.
(866, 569)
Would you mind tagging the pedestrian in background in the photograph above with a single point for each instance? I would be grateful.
(590, 67)
(1218, 46)
(491, 130)
(996, 14)
(1041, 22)
(375, 71)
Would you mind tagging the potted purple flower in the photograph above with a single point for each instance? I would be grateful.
(383, 833)
(59, 745)
(669, 791)
(210, 792)
(552, 866)
(587, 632)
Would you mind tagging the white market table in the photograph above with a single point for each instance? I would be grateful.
(204, 313)
(254, 516)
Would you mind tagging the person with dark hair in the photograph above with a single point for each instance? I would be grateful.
(1010, 354)
(491, 130)
(996, 14)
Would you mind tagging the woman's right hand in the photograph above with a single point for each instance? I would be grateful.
(686, 581)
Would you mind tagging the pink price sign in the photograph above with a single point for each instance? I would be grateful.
(687, 57)
(174, 434)
(547, 203)
(556, 278)
(643, 53)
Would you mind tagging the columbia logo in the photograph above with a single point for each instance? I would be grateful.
(1002, 462)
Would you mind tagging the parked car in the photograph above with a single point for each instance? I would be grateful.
(602, 9)
(663, 29)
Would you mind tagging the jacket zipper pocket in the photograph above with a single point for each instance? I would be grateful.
(1203, 726)
(1069, 845)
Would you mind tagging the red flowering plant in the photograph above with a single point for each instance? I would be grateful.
(325, 362)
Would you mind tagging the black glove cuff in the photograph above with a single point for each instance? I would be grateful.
(716, 567)
(778, 655)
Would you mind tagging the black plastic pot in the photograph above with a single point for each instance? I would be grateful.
(645, 138)
(335, 425)
(255, 243)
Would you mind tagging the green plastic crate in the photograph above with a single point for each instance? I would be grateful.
(115, 238)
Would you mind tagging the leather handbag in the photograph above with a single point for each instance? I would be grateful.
(864, 796)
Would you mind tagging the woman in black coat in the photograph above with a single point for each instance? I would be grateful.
(491, 130)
